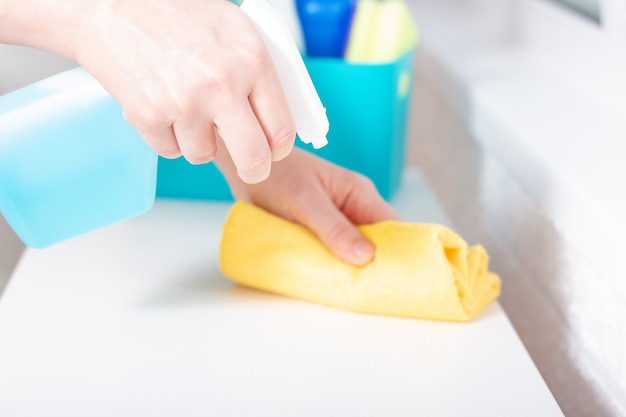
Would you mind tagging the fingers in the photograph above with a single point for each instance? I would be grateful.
(162, 140)
(271, 109)
(196, 140)
(364, 205)
(253, 138)
(181, 75)
(337, 233)
(257, 129)
(327, 199)
(245, 141)
(355, 201)
(336, 224)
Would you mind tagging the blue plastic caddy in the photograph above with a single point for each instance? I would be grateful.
(367, 107)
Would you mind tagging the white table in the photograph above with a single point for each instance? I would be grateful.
(136, 320)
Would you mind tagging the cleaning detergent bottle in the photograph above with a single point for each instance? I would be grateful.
(289, 14)
(70, 164)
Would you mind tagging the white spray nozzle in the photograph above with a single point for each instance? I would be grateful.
(305, 105)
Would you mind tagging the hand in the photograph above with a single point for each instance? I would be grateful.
(182, 70)
(324, 197)
(186, 69)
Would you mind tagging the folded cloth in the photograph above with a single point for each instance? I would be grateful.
(420, 270)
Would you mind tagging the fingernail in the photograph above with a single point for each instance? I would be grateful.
(281, 153)
(255, 177)
(363, 252)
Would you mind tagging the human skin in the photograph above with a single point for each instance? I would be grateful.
(324, 197)
(194, 78)
(182, 71)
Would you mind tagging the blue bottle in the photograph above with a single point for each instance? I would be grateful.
(69, 163)
(325, 26)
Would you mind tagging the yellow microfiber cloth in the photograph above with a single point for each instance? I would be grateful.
(420, 270)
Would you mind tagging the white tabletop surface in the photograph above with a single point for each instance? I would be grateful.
(136, 320)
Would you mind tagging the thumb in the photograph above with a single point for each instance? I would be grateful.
(337, 233)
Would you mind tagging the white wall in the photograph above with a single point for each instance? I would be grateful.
(21, 66)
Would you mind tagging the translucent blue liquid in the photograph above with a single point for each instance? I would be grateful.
(69, 163)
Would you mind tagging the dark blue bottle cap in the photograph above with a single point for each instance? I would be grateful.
(325, 25)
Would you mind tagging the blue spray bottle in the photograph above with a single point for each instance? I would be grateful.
(70, 164)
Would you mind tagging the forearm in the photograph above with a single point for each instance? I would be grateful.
(53, 25)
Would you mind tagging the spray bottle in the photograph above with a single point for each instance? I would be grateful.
(70, 164)
(305, 105)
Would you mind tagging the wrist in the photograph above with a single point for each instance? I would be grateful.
(55, 26)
